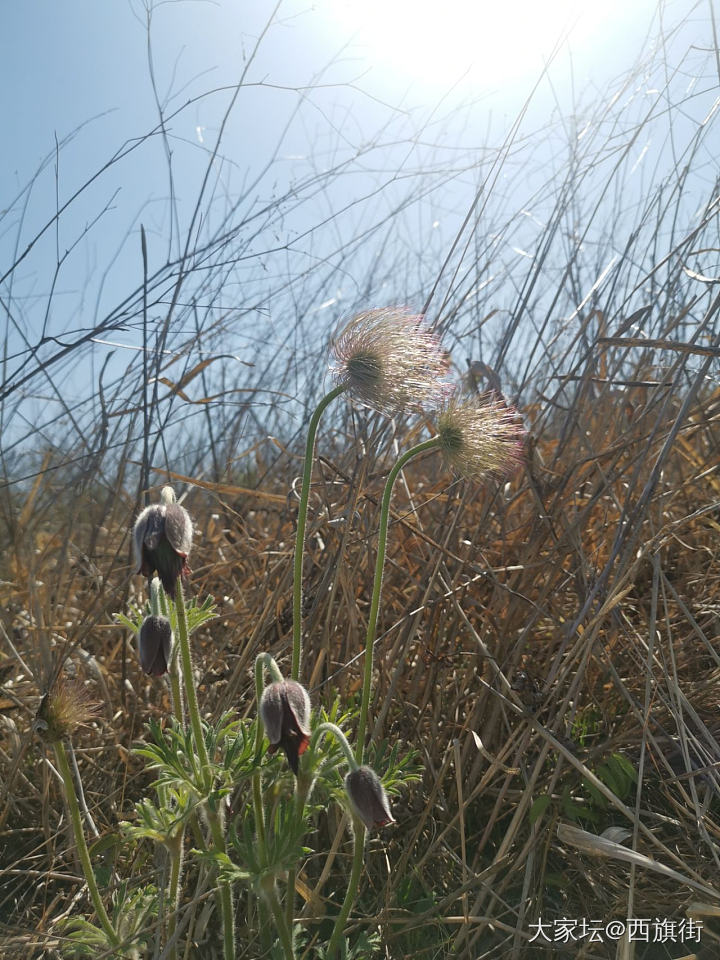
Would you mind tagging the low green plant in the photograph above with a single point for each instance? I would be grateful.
(583, 803)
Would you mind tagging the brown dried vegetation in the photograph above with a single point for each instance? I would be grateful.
(529, 631)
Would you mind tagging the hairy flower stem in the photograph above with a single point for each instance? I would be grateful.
(226, 902)
(301, 793)
(216, 829)
(176, 854)
(262, 661)
(187, 670)
(174, 668)
(266, 661)
(322, 728)
(359, 830)
(350, 893)
(377, 589)
(176, 692)
(301, 523)
(283, 930)
(83, 853)
(358, 825)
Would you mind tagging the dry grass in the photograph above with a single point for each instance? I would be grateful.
(529, 631)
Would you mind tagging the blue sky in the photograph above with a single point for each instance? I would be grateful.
(353, 144)
(63, 64)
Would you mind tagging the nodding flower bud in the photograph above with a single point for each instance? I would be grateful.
(163, 537)
(391, 361)
(368, 798)
(480, 436)
(285, 713)
(154, 645)
(65, 707)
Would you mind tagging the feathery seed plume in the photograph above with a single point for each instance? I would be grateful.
(65, 707)
(391, 361)
(480, 436)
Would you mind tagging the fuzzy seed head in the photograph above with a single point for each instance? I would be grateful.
(64, 708)
(480, 437)
(368, 798)
(389, 360)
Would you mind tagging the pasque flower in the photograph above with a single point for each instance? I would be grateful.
(154, 645)
(480, 436)
(285, 713)
(390, 360)
(368, 798)
(163, 537)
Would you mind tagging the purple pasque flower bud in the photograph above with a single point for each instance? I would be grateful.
(391, 361)
(155, 645)
(163, 536)
(368, 798)
(285, 713)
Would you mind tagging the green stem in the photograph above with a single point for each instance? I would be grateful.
(187, 669)
(291, 879)
(265, 926)
(301, 522)
(357, 865)
(156, 594)
(298, 593)
(175, 851)
(176, 692)
(359, 831)
(303, 784)
(377, 589)
(196, 724)
(228, 921)
(83, 853)
(259, 810)
(358, 826)
(280, 922)
(159, 598)
(262, 661)
(226, 903)
(321, 729)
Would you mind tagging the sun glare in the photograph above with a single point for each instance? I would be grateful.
(487, 43)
